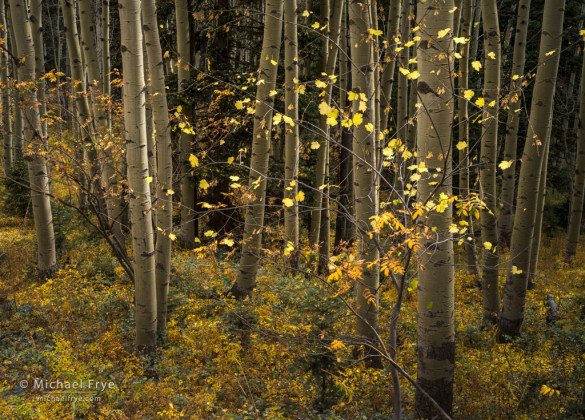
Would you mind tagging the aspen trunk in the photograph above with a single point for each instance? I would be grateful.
(436, 328)
(387, 77)
(139, 189)
(512, 314)
(164, 204)
(291, 138)
(188, 222)
(36, 146)
(512, 124)
(6, 102)
(255, 203)
(320, 200)
(36, 20)
(365, 176)
(463, 111)
(403, 81)
(488, 157)
(578, 180)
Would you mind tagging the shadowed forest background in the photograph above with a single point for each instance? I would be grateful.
(313, 209)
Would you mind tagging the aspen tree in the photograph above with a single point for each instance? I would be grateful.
(436, 327)
(387, 77)
(164, 204)
(578, 179)
(488, 157)
(36, 20)
(255, 202)
(291, 138)
(6, 102)
(188, 221)
(512, 125)
(365, 176)
(512, 313)
(33, 141)
(463, 112)
(138, 185)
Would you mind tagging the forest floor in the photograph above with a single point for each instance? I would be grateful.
(280, 354)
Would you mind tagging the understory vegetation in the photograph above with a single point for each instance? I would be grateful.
(280, 354)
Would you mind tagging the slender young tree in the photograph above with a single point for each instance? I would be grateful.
(578, 179)
(139, 190)
(188, 222)
(365, 176)
(291, 138)
(512, 314)
(436, 327)
(488, 157)
(255, 203)
(164, 203)
(387, 77)
(512, 124)
(36, 20)
(463, 112)
(34, 141)
(320, 201)
(403, 81)
(6, 100)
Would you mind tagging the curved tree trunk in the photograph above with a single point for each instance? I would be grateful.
(34, 142)
(488, 157)
(512, 124)
(512, 314)
(578, 180)
(436, 327)
(139, 189)
(255, 203)
(164, 203)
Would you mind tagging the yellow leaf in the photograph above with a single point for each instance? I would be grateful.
(166, 54)
(193, 161)
(209, 233)
(461, 145)
(492, 55)
(179, 108)
(460, 40)
(203, 184)
(443, 32)
(375, 32)
(306, 13)
(453, 9)
(273, 93)
(476, 65)
(404, 71)
(170, 191)
(492, 104)
(172, 236)
(515, 270)
(230, 160)
(479, 102)
(288, 120)
(409, 44)
(357, 119)
(468, 94)
(363, 106)
(324, 108)
(582, 32)
(148, 179)
(315, 25)
(315, 145)
(515, 77)
(228, 242)
(321, 84)
(277, 118)
(550, 52)
(453, 228)
(487, 245)
(505, 164)
(414, 75)
(300, 196)
(331, 121)
(369, 127)
(352, 96)
(288, 202)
